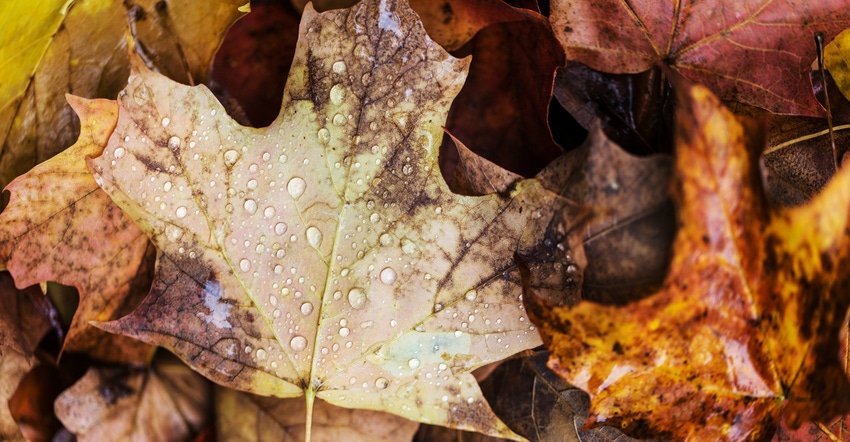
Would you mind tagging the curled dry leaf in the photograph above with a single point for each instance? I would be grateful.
(745, 328)
(325, 254)
(79, 47)
(165, 402)
(247, 417)
(59, 226)
(21, 328)
(730, 46)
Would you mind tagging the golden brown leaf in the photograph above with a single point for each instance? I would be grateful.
(59, 226)
(745, 328)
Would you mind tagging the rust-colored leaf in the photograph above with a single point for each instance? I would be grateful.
(165, 402)
(247, 417)
(757, 52)
(59, 226)
(745, 328)
(325, 254)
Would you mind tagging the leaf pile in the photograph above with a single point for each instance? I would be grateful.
(372, 262)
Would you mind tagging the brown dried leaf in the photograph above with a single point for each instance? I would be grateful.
(165, 402)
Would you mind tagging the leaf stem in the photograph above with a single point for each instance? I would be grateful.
(805, 137)
(310, 394)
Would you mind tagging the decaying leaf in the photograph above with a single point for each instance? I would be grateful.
(627, 237)
(21, 327)
(165, 402)
(59, 226)
(59, 46)
(757, 52)
(246, 417)
(745, 328)
(325, 254)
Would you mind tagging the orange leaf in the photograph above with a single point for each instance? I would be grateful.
(59, 226)
(745, 328)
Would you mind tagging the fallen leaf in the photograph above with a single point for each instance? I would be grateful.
(59, 226)
(247, 417)
(756, 52)
(165, 402)
(21, 328)
(325, 254)
(502, 111)
(628, 235)
(634, 110)
(745, 328)
(79, 47)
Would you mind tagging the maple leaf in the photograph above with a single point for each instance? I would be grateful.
(325, 254)
(243, 416)
(835, 61)
(60, 46)
(164, 402)
(756, 52)
(745, 327)
(59, 226)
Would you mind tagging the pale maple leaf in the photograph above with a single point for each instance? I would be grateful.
(324, 254)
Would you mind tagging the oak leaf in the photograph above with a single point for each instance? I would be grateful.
(745, 328)
(756, 52)
(164, 402)
(59, 226)
(59, 46)
(325, 254)
(246, 417)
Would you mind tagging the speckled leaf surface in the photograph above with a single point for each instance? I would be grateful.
(324, 254)
(59, 226)
(745, 328)
(756, 51)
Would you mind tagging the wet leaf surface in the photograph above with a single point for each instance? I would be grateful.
(745, 328)
(324, 254)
